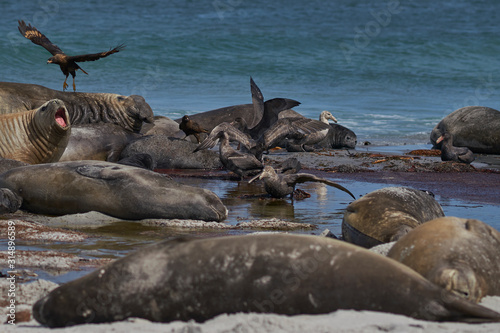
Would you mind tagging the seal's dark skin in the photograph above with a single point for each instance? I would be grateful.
(121, 191)
(474, 127)
(285, 274)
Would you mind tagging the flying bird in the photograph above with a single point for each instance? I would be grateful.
(68, 64)
(281, 185)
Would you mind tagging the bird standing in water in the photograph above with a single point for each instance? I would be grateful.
(68, 64)
(281, 185)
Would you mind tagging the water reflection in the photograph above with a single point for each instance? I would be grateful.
(245, 202)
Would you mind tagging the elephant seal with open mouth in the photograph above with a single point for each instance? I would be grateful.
(36, 136)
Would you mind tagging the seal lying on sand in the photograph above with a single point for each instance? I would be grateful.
(461, 255)
(172, 153)
(387, 214)
(101, 141)
(84, 108)
(285, 274)
(36, 136)
(451, 153)
(474, 127)
(120, 191)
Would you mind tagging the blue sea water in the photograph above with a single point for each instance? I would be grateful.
(389, 70)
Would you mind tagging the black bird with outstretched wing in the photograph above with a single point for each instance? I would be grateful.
(68, 64)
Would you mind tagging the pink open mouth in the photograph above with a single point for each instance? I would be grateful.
(61, 117)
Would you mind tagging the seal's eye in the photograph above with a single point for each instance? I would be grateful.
(43, 108)
(120, 98)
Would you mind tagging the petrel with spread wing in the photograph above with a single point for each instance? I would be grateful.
(68, 64)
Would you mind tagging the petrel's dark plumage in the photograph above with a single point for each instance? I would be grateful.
(452, 153)
(68, 64)
(281, 185)
(242, 164)
(189, 127)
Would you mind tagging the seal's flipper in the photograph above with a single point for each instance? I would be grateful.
(98, 171)
(10, 202)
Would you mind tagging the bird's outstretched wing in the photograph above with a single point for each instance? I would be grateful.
(257, 99)
(233, 134)
(96, 56)
(292, 179)
(38, 38)
(280, 104)
(291, 128)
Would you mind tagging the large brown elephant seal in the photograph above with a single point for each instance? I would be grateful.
(35, 136)
(387, 214)
(121, 191)
(84, 108)
(474, 127)
(284, 274)
(461, 255)
(101, 141)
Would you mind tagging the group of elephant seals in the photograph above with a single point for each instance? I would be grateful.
(199, 279)
(129, 112)
(121, 191)
(461, 255)
(35, 136)
(387, 214)
(474, 127)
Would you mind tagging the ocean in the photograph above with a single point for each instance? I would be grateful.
(388, 70)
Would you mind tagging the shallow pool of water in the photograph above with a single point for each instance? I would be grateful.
(324, 209)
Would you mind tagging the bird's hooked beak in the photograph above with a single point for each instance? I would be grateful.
(441, 138)
(49, 61)
(259, 176)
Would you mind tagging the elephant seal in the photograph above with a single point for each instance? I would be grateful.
(172, 153)
(129, 112)
(461, 255)
(161, 126)
(199, 279)
(474, 127)
(35, 136)
(339, 137)
(100, 141)
(252, 117)
(387, 214)
(451, 153)
(121, 191)
(7, 164)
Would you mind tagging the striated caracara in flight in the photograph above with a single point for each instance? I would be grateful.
(68, 64)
